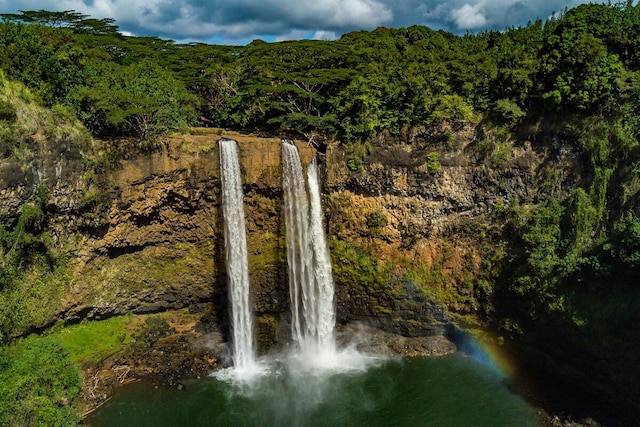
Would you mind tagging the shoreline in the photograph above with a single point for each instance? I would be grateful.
(171, 354)
(170, 357)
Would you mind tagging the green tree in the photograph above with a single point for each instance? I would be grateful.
(452, 110)
(370, 103)
(142, 100)
(626, 238)
(577, 68)
(289, 84)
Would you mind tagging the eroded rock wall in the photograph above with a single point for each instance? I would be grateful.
(146, 234)
(417, 229)
(161, 245)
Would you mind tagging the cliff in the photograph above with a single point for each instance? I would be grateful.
(413, 229)
(144, 233)
(160, 245)
(429, 226)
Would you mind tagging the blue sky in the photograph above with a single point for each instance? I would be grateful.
(240, 21)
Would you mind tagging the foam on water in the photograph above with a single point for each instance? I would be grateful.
(245, 375)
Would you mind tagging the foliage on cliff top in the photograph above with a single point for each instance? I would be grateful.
(75, 68)
(24, 122)
(353, 87)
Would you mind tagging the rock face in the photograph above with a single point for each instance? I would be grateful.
(56, 165)
(147, 234)
(414, 228)
(161, 245)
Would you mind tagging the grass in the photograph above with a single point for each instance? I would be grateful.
(93, 342)
(34, 122)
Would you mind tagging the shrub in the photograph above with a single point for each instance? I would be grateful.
(7, 111)
(433, 162)
(454, 110)
(38, 383)
(510, 111)
(32, 218)
(376, 219)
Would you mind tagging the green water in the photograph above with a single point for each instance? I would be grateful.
(447, 391)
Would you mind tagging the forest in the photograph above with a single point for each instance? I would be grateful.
(582, 62)
(572, 262)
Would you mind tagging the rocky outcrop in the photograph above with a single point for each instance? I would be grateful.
(418, 212)
(55, 165)
(469, 178)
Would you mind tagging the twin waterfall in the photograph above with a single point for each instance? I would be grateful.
(310, 278)
(235, 241)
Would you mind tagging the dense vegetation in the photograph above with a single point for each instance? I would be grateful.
(37, 383)
(571, 263)
(365, 82)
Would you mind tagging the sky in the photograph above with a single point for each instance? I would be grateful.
(241, 21)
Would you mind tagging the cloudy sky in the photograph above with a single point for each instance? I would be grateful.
(240, 21)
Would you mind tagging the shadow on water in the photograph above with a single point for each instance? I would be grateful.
(532, 374)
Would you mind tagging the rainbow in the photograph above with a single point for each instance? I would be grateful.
(487, 350)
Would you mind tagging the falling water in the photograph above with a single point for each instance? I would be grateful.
(326, 315)
(236, 255)
(296, 222)
(310, 280)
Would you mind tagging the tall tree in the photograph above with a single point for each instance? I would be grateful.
(291, 82)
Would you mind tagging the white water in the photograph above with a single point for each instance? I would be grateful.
(315, 357)
(310, 279)
(236, 258)
(323, 276)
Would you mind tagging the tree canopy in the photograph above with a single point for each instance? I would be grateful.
(350, 88)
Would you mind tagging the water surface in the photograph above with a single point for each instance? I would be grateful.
(448, 391)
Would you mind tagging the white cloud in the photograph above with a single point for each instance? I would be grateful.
(241, 20)
(324, 35)
(334, 13)
(469, 17)
(292, 35)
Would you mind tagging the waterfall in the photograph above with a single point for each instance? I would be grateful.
(296, 223)
(310, 278)
(236, 255)
(326, 314)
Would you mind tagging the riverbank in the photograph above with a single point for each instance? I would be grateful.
(171, 348)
